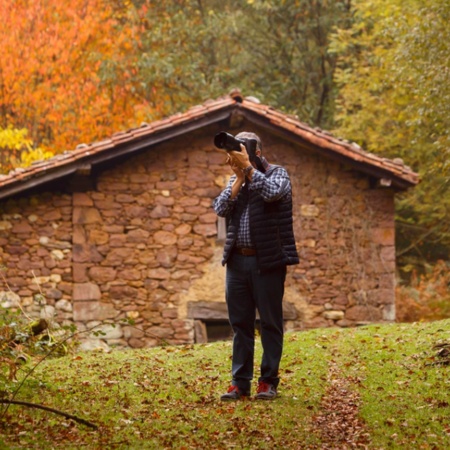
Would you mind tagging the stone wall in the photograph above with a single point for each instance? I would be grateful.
(143, 245)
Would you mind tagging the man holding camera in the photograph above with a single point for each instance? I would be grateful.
(260, 243)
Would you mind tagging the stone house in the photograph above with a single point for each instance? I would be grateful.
(124, 228)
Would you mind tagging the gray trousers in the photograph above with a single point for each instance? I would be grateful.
(248, 290)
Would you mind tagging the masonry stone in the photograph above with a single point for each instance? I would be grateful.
(86, 292)
(84, 311)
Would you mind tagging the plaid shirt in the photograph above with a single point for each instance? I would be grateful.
(270, 188)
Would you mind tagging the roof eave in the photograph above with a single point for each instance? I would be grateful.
(95, 154)
(401, 177)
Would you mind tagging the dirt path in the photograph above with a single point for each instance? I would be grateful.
(337, 422)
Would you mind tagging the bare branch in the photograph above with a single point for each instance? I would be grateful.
(53, 410)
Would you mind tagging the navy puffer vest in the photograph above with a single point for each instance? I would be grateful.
(270, 227)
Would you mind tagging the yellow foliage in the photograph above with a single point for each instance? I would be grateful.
(14, 139)
(17, 150)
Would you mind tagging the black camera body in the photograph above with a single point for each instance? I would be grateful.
(229, 143)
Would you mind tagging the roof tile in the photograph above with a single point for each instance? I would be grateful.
(317, 136)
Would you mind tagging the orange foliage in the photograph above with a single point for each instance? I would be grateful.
(427, 297)
(66, 72)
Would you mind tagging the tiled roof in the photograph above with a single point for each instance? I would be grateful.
(209, 112)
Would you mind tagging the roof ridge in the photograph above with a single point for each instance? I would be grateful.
(291, 123)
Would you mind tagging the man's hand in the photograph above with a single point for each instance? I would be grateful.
(240, 159)
(237, 170)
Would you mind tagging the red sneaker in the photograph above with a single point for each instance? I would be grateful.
(234, 393)
(266, 391)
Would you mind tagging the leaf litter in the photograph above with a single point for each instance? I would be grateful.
(167, 397)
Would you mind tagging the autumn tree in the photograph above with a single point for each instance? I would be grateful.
(66, 69)
(394, 100)
(78, 71)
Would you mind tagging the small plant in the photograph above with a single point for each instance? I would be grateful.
(23, 339)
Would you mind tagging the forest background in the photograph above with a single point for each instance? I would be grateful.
(376, 72)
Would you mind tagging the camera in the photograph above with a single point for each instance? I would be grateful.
(229, 143)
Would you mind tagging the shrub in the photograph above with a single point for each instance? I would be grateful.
(427, 296)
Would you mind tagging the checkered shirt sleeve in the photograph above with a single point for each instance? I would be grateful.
(223, 205)
(271, 188)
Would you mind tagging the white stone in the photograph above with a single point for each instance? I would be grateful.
(44, 240)
(48, 312)
(333, 315)
(32, 218)
(133, 314)
(58, 254)
(93, 324)
(55, 278)
(9, 299)
(110, 331)
(64, 305)
(94, 344)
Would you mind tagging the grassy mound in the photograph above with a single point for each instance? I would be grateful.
(381, 386)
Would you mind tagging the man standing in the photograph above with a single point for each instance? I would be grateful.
(260, 243)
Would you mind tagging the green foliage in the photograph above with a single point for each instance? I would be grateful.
(394, 97)
(168, 397)
(285, 58)
(273, 50)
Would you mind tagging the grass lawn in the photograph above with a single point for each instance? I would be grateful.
(379, 386)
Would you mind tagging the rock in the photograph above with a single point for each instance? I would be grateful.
(137, 236)
(165, 238)
(160, 212)
(206, 230)
(57, 254)
(102, 274)
(47, 312)
(9, 299)
(363, 313)
(135, 343)
(22, 227)
(158, 274)
(183, 229)
(132, 332)
(132, 315)
(85, 292)
(5, 225)
(93, 310)
(64, 305)
(309, 210)
(389, 312)
(94, 344)
(82, 199)
(109, 331)
(85, 215)
(333, 315)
